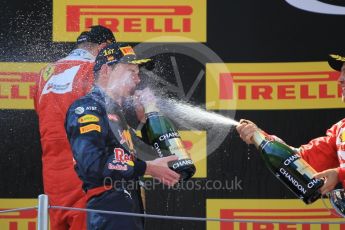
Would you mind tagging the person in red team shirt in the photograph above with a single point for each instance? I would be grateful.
(60, 84)
(325, 154)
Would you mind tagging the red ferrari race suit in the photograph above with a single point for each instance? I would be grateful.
(60, 84)
(327, 152)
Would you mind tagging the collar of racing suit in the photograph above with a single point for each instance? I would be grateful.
(80, 54)
(110, 104)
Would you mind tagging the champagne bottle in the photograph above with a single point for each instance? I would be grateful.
(160, 132)
(289, 167)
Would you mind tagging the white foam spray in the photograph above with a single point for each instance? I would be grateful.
(190, 116)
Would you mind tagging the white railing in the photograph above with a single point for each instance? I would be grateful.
(43, 217)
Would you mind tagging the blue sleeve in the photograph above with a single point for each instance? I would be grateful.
(96, 151)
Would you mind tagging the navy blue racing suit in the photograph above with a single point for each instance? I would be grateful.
(106, 161)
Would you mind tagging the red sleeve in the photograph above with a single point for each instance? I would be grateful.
(321, 153)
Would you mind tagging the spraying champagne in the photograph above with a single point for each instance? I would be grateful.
(294, 172)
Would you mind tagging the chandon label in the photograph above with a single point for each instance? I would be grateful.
(291, 159)
(158, 149)
(296, 162)
(292, 180)
(313, 182)
(169, 135)
(181, 163)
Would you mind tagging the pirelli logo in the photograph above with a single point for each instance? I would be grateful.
(260, 86)
(132, 21)
(271, 210)
(17, 84)
(21, 219)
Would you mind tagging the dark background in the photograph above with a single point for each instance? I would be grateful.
(238, 31)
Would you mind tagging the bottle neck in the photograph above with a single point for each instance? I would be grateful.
(258, 138)
(151, 108)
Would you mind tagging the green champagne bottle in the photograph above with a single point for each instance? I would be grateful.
(289, 168)
(160, 132)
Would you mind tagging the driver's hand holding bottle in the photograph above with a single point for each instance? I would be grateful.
(246, 130)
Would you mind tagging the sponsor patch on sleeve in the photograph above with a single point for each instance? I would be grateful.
(88, 118)
(121, 160)
(89, 128)
(79, 110)
(119, 167)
